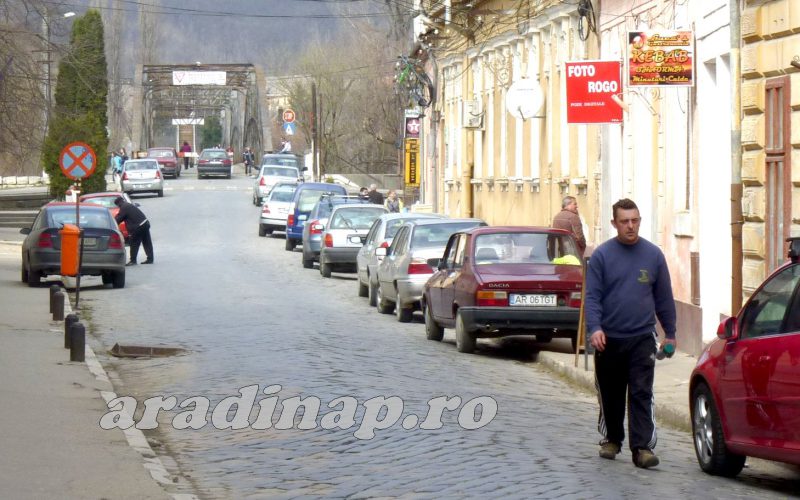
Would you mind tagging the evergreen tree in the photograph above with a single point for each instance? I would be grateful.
(211, 133)
(80, 105)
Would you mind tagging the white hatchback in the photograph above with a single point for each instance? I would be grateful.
(344, 235)
(275, 209)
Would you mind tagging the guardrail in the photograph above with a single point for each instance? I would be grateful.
(29, 199)
(17, 218)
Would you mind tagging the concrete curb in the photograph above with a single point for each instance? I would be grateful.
(667, 414)
(135, 438)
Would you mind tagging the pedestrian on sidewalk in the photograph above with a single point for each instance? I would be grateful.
(138, 229)
(627, 287)
(569, 219)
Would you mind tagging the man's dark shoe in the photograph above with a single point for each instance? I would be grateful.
(609, 450)
(148, 261)
(131, 263)
(644, 459)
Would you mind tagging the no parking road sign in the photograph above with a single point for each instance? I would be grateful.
(77, 160)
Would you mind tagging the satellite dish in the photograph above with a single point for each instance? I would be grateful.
(524, 98)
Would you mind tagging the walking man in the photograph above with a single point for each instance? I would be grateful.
(138, 229)
(569, 219)
(247, 158)
(627, 288)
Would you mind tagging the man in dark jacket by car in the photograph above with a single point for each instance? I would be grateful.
(138, 228)
(375, 196)
(569, 219)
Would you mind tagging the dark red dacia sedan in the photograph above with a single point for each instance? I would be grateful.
(745, 389)
(499, 281)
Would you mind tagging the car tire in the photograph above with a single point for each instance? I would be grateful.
(34, 278)
(308, 263)
(290, 244)
(269, 230)
(161, 193)
(465, 342)
(372, 293)
(363, 290)
(228, 176)
(404, 314)
(432, 329)
(118, 279)
(262, 231)
(107, 278)
(574, 341)
(324, 269)
(384, 306)
(24, 273)
(708, 438)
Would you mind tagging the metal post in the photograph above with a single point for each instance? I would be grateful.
(58, 306)
(77, 342)
(737, 220)
(71, 319)
(80, 252)
(53, 290)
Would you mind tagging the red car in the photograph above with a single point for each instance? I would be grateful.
(745, 389)
(106, 199)
(498, 281)
(167, 159)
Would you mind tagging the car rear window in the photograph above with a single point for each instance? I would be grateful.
(213, 155)
(280, 171)
(281, 194)
(99, 218)
(355, 217)
(436, 235)
(106, 201)
(308, 198)
(160, 153)
(536, 248)
(141, 165)
(282, 161)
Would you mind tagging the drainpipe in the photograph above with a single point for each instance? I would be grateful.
(736, 159)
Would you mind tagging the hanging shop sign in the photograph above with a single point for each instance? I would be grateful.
(412, 162)
(660, 58)
(591, 86)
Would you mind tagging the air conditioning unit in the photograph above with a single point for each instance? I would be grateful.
(472, 115)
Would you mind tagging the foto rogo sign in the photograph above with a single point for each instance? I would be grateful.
(590, 85)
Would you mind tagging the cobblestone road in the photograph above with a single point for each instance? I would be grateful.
(250, 314)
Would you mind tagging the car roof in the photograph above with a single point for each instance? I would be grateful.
(515, 229)
(325, 185)
(212, 149)
(101, 195)
(411, 215)
(357, 205)
(70, 204)
(433, 220)
(166, 148)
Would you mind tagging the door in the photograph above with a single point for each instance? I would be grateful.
(450, 281)
(777, 117)
(437, 280)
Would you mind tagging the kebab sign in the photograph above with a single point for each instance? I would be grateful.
(660, 58)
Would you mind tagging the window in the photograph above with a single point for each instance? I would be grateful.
(458, 260)
(355, 218)
(519, 248)
(778, 169)
(450, 252)
(398, 243)
(766, 313)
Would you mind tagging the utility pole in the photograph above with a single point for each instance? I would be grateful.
(314, 137)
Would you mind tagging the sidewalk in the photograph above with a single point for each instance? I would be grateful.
(670, 388)
(53, 446)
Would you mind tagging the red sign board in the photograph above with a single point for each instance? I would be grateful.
(413, 126)
(288, 116)
(590, 86)
(77, 160)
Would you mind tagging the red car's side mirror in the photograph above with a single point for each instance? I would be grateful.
(727, 330)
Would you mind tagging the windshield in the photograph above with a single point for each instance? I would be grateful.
(98, 218)
(536, 248)
(213, 155)
(141, 165)
(280, 171)
(436, 235)
(355, 218)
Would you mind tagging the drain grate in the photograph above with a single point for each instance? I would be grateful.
(144, 351)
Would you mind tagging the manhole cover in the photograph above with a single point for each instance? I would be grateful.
(144, 351)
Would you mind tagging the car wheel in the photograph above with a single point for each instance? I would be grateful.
(465, 342)
(290, 244)
(161, 193)
(373, 293)
(34, 278)
(432, 329)
(709, 441)
(107, 278)
(324, 269)
(308, 263)
(384, 306)
(269, 230)
(24, 273)
(118, 279)
(228, 176)
(262, 230)
(363, 290)
(404, 314)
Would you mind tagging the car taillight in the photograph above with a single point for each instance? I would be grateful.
(203, 161)
(115, 241)
(328, 240)
(158, 174)
(265, 209)
(262, 182)
(575, 299)
(45, 240)
(124, 176)
(316, 228)
(385, 244)
(290, 220)
(491, 298)
(419, 266)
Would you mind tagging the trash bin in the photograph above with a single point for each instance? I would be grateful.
(70, 241)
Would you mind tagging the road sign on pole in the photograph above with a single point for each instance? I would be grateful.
(288, 115)
(289, 128)
(77, 160)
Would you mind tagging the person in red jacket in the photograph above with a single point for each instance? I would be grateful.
(186, 148)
